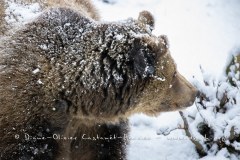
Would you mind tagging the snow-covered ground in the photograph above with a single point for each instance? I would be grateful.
(200, 32)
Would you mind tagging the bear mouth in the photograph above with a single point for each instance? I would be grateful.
(166, 107)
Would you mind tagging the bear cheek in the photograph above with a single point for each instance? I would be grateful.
(153, 99)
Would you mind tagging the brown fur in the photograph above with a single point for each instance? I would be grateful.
(68, 74)
(146, 18)
(2, 19)
(85, 7)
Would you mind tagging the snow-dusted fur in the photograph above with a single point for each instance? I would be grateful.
(2, 17)
(67, 74)
(11, 17)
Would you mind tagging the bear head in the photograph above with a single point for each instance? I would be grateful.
(101, 71)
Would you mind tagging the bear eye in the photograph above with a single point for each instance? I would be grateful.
(174, 74)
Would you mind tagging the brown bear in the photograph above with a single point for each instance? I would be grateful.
(68, 83)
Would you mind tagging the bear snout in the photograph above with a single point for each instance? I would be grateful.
(184, 93)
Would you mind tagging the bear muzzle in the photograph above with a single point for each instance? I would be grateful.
(183, 93)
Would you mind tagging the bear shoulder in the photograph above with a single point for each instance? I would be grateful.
(86, 7)
(9, 19)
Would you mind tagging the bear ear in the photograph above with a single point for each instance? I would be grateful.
(158, 45)
(163, 45)
(146, 20)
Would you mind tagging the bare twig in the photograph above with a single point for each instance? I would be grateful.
(198, 110)
(193, 118)
(232, 134)
(166, 132)
(199, 147)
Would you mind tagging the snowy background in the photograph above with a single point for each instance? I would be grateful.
(201, 33)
